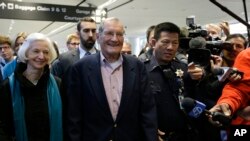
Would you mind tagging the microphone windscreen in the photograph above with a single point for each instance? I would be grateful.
(192, 107)
(198, 42)
(188, 104)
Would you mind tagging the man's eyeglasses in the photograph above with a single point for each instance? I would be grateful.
(74, 44)
(4, 47)
(126, 52)
(111, 34)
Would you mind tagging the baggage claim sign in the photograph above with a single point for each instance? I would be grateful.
(46, 12)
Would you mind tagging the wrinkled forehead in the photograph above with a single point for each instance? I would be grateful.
(113, 26)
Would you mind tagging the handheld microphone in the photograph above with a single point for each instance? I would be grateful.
(195, 108)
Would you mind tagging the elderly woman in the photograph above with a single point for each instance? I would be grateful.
(30, 102)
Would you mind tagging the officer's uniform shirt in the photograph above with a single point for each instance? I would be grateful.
(165, 87)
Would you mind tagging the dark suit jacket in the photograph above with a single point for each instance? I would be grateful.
(65, 60)
(88, 117)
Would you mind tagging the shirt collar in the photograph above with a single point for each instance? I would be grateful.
(83, 52)
(113, 65)
(153, 64)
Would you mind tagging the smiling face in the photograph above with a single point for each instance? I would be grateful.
(166, 47)
(38, 54)
(111, 39)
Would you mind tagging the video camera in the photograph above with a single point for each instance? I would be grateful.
(195, 30)
(200, 50)
(199, 46)
(216, 47)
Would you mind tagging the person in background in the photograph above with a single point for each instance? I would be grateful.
(21, 36)
(86, 29)
(126, 48)
(56, 49)
(10, 67)
(218, 32)
(1, 77)
(30, 101)
(73, 41)
(239, 43)
(6, 51)
(147, 51)
(108, 97)
(181, 53)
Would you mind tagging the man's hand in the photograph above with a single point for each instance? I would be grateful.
(195, 72)
(216, 61)
(235, 76)
(223, 108)
(225, 27)
(160, 134)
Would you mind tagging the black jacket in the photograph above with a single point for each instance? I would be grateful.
(88, 115)
(36, 106)
(170, 117)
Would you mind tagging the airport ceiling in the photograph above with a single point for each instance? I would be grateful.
(136, 15)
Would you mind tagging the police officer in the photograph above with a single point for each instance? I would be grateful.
(168, 78)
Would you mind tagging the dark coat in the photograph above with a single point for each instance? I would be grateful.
(65, 60)
(36, 106)
(88, 117)
(170, 117)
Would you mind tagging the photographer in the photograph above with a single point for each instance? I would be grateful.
(235, 95)
(229, 54)
(210, 88)
(210, 82)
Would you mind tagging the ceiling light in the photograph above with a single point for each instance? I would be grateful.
(109, 2)
(12, 22)
(60, 28)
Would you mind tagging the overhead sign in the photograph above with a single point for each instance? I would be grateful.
(43, 12)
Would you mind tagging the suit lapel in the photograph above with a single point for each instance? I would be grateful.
(96, 82)
(76, 55)
(128, 86)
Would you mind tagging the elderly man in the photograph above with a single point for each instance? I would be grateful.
(108, 97)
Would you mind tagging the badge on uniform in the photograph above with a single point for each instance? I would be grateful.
(179, 73)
